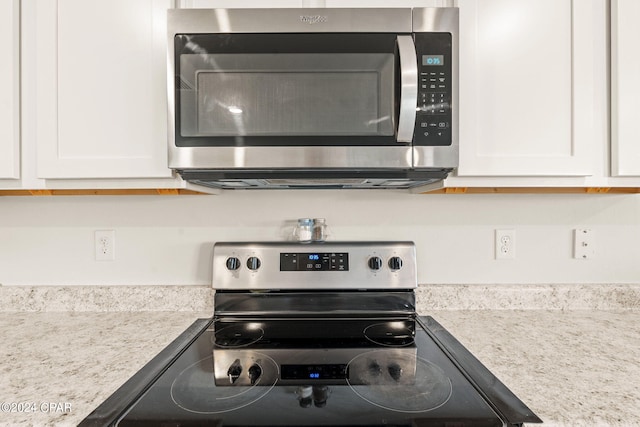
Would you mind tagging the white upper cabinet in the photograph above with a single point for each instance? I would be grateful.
(237, 4)
(528, 72)
(101, 108)
(10, 89)
(532, 75)
(625, 79)
(387, 3)
(533, 92)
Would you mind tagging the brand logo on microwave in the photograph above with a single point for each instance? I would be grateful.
(313, 19)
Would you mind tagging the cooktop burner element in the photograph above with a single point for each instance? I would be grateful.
(238, 335)
(294, 341)
(403, 383)
(391, 334)
(194, 389)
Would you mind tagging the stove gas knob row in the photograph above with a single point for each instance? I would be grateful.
(375, 263)
(233, 263)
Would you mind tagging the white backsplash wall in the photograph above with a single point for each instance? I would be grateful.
(166, 240)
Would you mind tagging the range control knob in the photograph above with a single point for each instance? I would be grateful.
(395, 371)
(375, 263)
(305, 396)
(233, 263)
(320, 395)
(375, 369)
(255, 371)
(253, 263)
(234, 371)
(395, 263)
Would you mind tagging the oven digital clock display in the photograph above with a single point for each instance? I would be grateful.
(314, 372)
(314, 261)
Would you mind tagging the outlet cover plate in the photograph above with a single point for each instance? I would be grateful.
(505, 244)
(584, 243)
(105, 249)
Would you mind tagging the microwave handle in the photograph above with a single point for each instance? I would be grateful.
(408, 88)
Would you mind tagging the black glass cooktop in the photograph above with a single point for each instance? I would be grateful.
(367, 373)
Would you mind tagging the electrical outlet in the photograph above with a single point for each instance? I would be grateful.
(584, 243)
(505, 244)
(105, 241)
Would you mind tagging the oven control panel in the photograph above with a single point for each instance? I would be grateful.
(314, 261)
(322, 265)
(336, 371)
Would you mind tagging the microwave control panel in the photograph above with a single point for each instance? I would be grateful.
(433, 113)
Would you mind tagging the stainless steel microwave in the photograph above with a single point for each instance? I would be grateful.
(313, 98)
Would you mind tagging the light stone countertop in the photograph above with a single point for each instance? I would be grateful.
(576, 367)
(198, 298)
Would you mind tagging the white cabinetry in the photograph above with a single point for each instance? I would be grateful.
(529, 70)
(235, 4)
(533, 91)
(625, 79)
(533, 81)
(101, 88)
(10, 89)
(386, 3)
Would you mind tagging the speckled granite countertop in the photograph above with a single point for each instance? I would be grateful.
(570, 367)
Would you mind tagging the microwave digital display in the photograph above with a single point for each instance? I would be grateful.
(432, 60)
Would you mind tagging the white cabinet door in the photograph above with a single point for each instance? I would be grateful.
(625, 79)
(387, 3)
(101, 88)
(237, 4)
(528, 72)
(10, 89)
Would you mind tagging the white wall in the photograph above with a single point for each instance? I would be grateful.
(165, 240)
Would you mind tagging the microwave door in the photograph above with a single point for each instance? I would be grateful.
(293, 101)
(408, 88)
(290, 90)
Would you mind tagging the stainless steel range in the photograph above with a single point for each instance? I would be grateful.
(320, 334)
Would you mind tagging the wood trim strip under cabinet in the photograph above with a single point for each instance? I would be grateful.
(536, 190)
